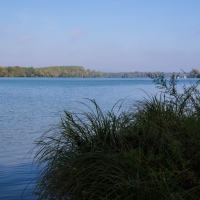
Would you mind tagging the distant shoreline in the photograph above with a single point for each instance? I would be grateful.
(75, 72)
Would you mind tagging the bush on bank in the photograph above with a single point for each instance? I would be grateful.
(151, 151)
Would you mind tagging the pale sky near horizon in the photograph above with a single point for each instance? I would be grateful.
(105, 35)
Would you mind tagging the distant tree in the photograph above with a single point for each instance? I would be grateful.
(3, 72)
(195, 73)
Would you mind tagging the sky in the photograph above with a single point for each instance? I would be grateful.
(104, 35)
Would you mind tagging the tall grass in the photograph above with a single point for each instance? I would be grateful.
(151, 151)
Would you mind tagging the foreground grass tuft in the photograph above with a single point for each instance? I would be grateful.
(151, 151)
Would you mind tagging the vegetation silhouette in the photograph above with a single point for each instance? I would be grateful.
(150, 151)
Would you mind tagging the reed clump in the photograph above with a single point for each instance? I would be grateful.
(151, 151)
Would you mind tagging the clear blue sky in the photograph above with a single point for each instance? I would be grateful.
(105, 35)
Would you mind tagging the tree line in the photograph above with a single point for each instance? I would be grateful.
(55, 71)
(78, 72)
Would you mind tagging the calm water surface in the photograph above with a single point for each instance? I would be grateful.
(30, 106)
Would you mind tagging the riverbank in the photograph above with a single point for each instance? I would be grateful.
(150, 151)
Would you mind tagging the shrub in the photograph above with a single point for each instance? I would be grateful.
(151, 151)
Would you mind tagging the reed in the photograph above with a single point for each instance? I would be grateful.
(151, 151)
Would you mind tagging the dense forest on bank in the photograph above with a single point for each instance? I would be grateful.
(79, 72)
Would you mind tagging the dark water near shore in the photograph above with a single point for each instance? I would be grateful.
(31, 106)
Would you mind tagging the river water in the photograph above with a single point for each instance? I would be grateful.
(31, 106)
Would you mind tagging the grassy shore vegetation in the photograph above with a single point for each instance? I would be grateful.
(151, 151)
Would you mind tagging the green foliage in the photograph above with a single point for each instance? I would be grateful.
(71, 71)
(57, 71)
(195, 73)
(151, 151)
